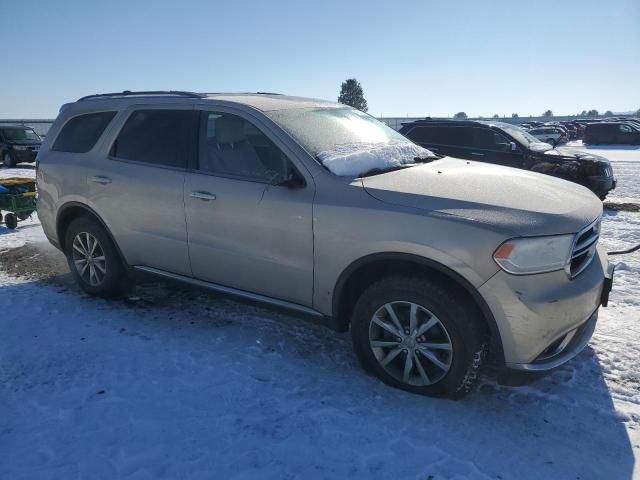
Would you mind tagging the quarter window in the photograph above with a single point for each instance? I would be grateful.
(81, 133)
(232, 146)
(159, 137)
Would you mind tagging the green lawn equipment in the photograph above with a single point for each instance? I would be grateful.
(17, 199)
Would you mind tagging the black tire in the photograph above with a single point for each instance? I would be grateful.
(10, 221)
(8, 160)
(456, 315)
(24, 215)
(114, 281)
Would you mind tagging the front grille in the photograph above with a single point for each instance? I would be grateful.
(584, 248)
(608, 171)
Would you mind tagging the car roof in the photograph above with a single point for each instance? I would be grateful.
(260, 101)
(459, 123)
(445, 121)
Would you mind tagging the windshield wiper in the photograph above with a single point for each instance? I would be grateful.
(378, 171)
(425, 159)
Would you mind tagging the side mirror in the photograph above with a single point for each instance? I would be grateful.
(514, 147)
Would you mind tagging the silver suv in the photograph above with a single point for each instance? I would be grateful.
(430, 262)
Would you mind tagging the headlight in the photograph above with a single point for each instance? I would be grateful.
(19, 147)
(522, 256)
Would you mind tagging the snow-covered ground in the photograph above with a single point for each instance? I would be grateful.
(178, 382)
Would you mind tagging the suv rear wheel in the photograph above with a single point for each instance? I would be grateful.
(417, 336)
(93, 259)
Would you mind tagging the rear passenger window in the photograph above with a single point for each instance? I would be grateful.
(440, 135)
(81, 133)
(159, 137)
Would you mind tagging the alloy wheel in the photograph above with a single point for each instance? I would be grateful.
(410, 343)
(89, 259)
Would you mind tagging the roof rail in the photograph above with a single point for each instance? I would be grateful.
(129, 93)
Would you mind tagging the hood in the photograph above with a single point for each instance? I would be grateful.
(575, 154)
(517, 201)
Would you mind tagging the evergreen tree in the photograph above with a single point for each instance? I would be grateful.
(548, 114)
(515, 115)
(460, 116)
(351, 94)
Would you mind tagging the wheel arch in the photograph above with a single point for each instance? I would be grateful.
(72, 210)
(359, 274)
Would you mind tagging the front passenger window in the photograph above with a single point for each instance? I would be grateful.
(232, 146)
(490, 140)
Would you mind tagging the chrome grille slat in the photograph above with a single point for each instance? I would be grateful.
(585, 245)
(584, 249)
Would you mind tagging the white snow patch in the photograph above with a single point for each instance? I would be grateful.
(354, 159)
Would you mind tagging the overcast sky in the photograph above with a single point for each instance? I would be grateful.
(413, 58)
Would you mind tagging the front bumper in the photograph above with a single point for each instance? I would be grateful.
(546, 319)
(601, 185)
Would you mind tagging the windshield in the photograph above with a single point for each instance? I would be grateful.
(519, 134)
(347, 141)
(20, 135)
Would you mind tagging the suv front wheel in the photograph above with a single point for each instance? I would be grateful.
(415, 335)
(93, 259)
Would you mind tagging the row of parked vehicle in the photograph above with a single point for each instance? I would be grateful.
(429, 260)
(612, 130)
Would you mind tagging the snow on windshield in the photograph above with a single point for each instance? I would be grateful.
(355, 159)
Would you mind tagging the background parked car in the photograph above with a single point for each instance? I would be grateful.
(505, 144)
(612, 133)
(572, 130)
(549, 134)
(18, 144)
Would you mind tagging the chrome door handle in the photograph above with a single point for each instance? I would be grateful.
(206, 196)
(477, 154)
(101, 179)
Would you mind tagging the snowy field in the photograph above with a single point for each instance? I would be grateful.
(177, 382)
